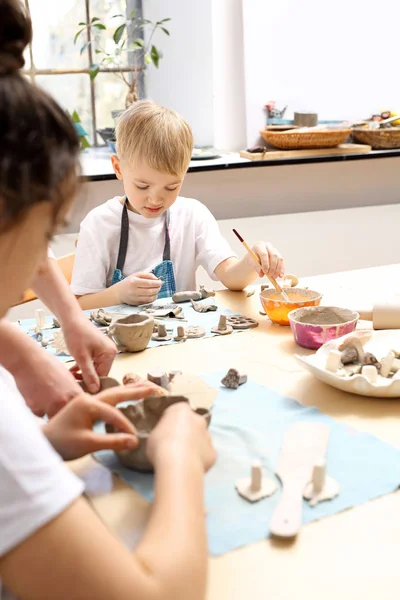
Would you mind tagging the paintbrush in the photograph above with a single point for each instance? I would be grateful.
(258, 262)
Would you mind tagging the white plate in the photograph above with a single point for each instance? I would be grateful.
(380, 343)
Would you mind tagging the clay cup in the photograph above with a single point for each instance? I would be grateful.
(131, 333)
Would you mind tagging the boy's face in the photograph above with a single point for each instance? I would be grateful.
(149, 191)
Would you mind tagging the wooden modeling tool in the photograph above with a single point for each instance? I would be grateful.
(258, 262)
(303, 446)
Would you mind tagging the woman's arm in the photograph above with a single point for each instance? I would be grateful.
(76, 557)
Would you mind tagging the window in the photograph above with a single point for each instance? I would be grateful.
(54, 62)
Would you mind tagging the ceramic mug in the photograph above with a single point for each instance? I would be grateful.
(132, 333)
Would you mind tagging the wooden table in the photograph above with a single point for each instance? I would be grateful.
(352, 555)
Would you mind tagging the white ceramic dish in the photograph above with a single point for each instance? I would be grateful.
(380, 343)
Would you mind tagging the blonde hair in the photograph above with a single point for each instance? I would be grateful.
(157, 135)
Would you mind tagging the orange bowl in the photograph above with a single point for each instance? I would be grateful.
(278, 309)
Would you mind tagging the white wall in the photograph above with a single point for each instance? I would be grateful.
(184, 80)
(331, 58)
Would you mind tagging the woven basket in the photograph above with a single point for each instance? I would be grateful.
(379, 139)
(290, 140)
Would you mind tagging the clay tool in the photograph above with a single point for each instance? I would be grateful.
(257, 260)
(303, 446)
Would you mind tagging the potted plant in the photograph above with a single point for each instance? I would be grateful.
(131, 50)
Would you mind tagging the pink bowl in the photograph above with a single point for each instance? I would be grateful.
(313, 326)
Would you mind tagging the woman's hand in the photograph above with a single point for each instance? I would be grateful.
(179, 433)
(271, 261)
(71, 434)
(140, 288)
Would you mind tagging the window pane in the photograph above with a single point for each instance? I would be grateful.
(72, 92)
(54, 28)
(110, 95)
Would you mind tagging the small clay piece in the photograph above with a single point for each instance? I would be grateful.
(145, 414)
(56, 323)
(162, 334)
(356, 340)
(370, 373)
(194, 331)
(206, 293)
(100, 317)
(241, 322)
(349, 355)
(38, 335)
(202, 307)
(40, 317)
(131, 333)
(105, 384)
(262, 313)
(370, 359)
(322, 487)
(159, 377)
(386, 364)
(222, 328)
(350, 370)
(250, 292)
(334, 361)
(132, 379)
(290, 281)
(233, 379)
(180, 334)
(173, 374)
(44, 343)
(256, 486)
(265, 286)
(186, 296)
(59, 343)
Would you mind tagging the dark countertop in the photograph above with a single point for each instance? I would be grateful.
(96, 163)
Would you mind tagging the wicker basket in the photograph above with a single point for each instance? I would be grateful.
(379, 139)
(290, 140)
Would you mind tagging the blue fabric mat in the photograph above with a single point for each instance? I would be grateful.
(206, 320)
(249, 423)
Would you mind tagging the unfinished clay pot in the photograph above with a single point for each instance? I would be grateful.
(145, 415)
(132, 333)
(105, 384)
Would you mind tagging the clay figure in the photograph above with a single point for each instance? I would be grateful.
(145, 415)
(40, 317)
(180, 334)
(59, 343)
(131, 333)
(56, 324)
(186, 296)
(162, 334)
(222, 328)
(100, 317)
(257, 486)
(241, 322)
(202, 307)
(194, 331)
(233, 379)
(322, 487)
(206, 293)
(159, 377)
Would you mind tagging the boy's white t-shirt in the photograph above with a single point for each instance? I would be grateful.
(35, 485)
(195, 241)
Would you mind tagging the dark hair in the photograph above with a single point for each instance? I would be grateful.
(39, 147)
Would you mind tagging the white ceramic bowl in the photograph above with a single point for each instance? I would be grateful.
(380, 343)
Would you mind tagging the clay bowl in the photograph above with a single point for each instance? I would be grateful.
(314, 326)
(278, 309)
(132, 333)
(144, 415)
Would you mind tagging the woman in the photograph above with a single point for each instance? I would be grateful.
(52, 545)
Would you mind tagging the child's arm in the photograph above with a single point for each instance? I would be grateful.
(140, 288)
(169, 563)
(236, 274)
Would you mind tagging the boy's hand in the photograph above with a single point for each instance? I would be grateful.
(140, 288)
(70, 431)
(271, 261)
(179, 433)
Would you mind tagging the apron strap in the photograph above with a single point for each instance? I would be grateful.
(123, 242)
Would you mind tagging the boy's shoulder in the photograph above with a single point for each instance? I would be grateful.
(189, 208)
(108, 212)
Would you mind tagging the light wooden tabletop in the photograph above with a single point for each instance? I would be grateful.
(352, 555)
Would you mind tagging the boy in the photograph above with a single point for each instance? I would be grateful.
(149, 244)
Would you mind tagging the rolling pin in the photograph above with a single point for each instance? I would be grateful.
(385, 314)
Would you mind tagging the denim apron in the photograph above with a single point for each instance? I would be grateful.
(164, 271)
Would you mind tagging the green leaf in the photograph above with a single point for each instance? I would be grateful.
(77, 35)
(94, 69)
(139, 42)
(165, 20)
(132, 14)
(82, 23)
(86, 45)
(84, 143)
(99, 26)
(115, 16)
(118, 33)
(155, 56)
(98, 51)
(147, 59)
(165, 30)
(144, 22)
(95, 19)
(75, 117)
